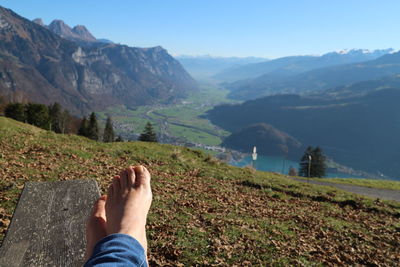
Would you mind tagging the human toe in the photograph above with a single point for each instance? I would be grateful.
(116, 185)
(142, 176)
(98, 209)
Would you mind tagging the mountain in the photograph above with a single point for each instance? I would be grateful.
(202, 67)
(102, 40)
(43, 67)
(317, 79)
(79, 33)
(292, 65)
(39, 21)
(360, 88)
(266, 138)
(359, 131)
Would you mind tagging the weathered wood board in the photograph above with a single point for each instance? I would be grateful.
(48, 225)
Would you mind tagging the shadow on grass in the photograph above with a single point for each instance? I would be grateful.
(320, 198)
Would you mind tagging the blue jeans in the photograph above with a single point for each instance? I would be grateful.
(117, 250)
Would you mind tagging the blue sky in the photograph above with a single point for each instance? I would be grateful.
(261, 28)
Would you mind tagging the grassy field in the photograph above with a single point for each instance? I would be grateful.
(382, 184)
(181, 120)
(208, 213)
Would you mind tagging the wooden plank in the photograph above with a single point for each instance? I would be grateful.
(48, 225)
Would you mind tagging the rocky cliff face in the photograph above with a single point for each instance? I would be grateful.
(78, 33)
(43, 67)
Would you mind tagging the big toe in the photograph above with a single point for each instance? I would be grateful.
(142, 176)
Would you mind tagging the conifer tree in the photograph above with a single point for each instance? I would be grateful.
(93, 127)
(83, 128)
(15, 111)
(55, 113)
(148, 134)
(38, 115)
(318, 164)
(2, 105)
(108, 135)
(315, 167)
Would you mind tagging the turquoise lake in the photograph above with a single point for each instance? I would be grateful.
(278, 164)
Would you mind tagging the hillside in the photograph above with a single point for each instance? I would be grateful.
(207, 213)
(40, 66)
(358, 131)
(267, 139)
(292, 65)
(317, 79)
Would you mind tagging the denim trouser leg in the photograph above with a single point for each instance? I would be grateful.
(117, 250)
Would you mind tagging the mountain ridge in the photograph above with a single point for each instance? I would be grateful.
(317, 79)
(356, 131)
(43, 67)
(291, 65)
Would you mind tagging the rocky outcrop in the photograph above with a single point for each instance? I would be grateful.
(39, 21)
(82, 33)
(46, 68)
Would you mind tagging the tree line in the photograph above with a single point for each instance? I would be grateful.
(52, 117)
(59, 120)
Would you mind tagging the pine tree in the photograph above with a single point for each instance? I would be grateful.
(15, 111)
(148, 134)
(108, 135)
(55, 113)
(93, 128)
(315, 167)
(38, 115)
(83, 128)
(2, 105)
(318, 164)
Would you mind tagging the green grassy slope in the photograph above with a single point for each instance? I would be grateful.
(372, 183)
(205, 212)
(183, 120)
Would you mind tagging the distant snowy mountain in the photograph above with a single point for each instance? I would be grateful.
(378, 52)
(292, 65)
(320, 78)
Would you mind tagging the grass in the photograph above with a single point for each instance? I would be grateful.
(181, 121)
(381, 184)
(205, 212)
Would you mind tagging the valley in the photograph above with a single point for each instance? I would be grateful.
(182, 123)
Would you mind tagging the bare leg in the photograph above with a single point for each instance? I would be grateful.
(96, 226)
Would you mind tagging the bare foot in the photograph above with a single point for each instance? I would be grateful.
(95, 226)
(129, 200)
